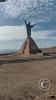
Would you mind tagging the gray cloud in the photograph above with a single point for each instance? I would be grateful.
(14, 8)
(34, 10)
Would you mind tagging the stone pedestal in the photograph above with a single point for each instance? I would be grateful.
(29, 47)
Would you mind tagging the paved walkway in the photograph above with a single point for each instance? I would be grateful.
(27, 59)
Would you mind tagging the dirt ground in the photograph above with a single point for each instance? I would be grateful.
(19, 81)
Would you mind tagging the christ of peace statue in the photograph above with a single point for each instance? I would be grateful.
(28, 28)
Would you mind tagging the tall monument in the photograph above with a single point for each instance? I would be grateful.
(29, 46)
(28, 28)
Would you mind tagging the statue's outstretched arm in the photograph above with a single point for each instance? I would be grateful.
(32, 25)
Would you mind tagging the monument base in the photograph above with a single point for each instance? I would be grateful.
(29, 47)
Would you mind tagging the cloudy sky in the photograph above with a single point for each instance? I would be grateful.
(14, 12)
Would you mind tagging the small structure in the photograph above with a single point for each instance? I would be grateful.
(29, 46)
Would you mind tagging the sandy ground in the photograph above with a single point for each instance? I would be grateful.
(21, 80)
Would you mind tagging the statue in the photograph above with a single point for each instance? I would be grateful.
(28, 27)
